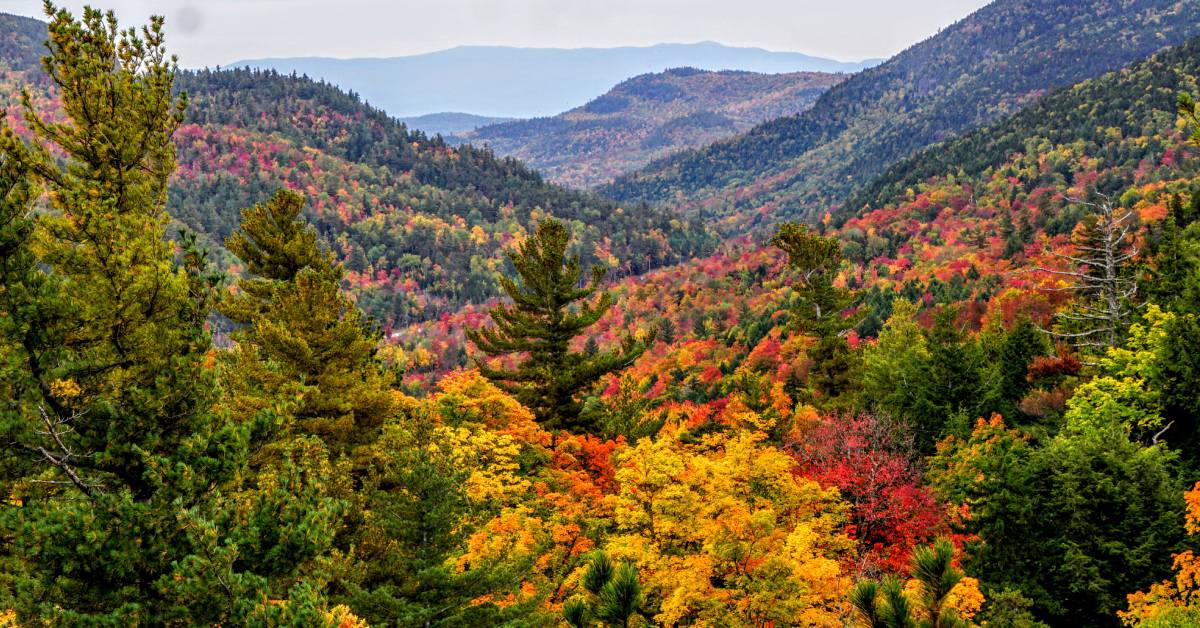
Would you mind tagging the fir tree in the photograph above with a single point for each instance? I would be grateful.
(550, 307)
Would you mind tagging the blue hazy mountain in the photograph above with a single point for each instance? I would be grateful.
(500, 81)
(450, 122)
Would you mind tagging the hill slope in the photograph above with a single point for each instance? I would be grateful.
(1117, 123)
(420, 224)
(651, 116)
(985, 66)
(527, 82)
(961, 223)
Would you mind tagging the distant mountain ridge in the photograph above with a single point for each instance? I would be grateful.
(527, 82)
(991, 63)
(450, 122)
(650, 116)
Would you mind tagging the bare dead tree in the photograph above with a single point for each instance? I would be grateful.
(1096, 272)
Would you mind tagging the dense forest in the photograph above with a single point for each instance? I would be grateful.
(650, 116)
(986, 66)
(975, 402)
(418, 223)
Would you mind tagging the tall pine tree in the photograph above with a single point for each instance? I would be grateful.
(301, 335)
(550, 307)
(818, 310)
(112, 450)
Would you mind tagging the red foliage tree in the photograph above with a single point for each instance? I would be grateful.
(870, 459)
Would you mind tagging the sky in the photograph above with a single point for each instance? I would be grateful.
(216, 32)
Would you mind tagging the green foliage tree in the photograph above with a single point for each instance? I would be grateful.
(300, 333)
(115, 450)
(1187, 107)
(613, 596)
(819, 306)
(1074, 525)
(1010, 368)
(893, 365)
(816, 260)
(403, 573)
(885, 605)
(550, 308)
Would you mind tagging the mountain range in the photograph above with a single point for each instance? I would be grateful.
(650, 116)
(420, 224)
(501, 81)
(989, 64)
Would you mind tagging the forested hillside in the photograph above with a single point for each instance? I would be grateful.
(1117, 121)
(949, 279)
(650, 116)
(985, 66)
(418, 223)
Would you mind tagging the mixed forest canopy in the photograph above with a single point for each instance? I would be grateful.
(975, 402)
(420, 225)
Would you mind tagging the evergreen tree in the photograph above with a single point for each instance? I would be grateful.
(113, 450)
(820, 306)
(404, 574)
(816, 259)
(301, 334)
(1186, 104)
(1074, 525)
(1018, 347)
(549, 308)
(612, 595)
(886, 605)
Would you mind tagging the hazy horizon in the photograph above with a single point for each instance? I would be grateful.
(219, 32)
(535, 47)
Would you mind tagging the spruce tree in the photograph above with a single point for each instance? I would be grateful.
(550, 307)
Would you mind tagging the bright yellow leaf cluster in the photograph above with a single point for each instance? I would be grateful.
(724, 534)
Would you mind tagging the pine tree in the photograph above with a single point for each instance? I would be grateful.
(820, 306)
(612, 595)
(886, 605)
(302, 335)
(816, 258)
(549, 308)
(113, 451)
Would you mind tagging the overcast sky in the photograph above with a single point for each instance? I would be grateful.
(214, 32)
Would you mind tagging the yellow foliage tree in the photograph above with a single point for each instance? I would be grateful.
(725, 534)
